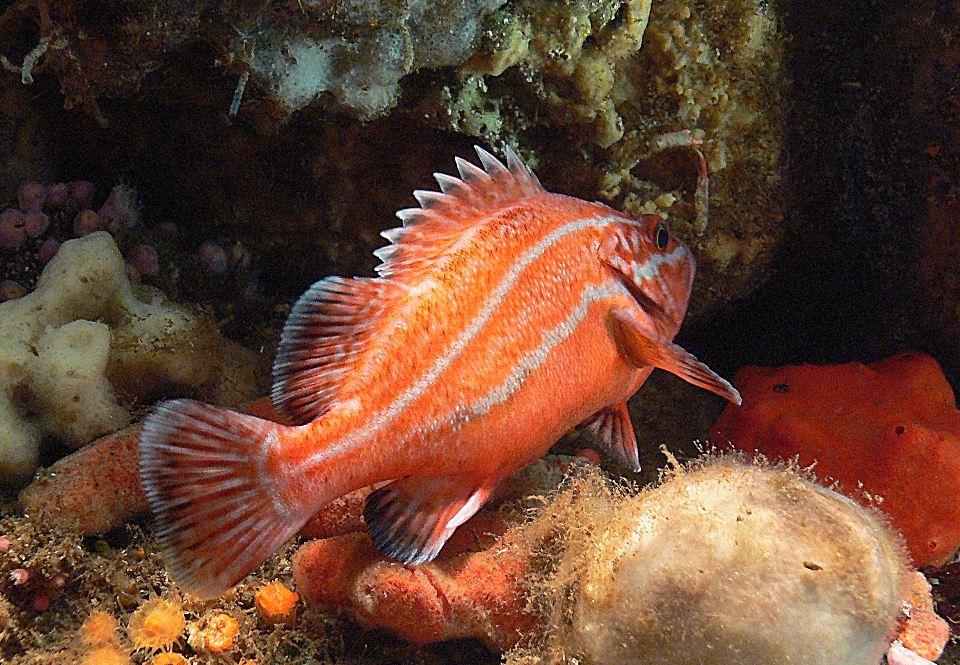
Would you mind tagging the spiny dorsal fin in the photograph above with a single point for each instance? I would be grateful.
(325, 331)
(444, 216)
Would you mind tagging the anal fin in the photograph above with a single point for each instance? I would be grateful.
(410, 519)
(642, 346)
(612, 431)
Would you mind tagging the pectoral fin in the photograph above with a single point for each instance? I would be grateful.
(612, 431)
(410, 519)
(642, 346)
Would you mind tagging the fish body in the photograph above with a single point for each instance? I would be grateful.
(503, 317)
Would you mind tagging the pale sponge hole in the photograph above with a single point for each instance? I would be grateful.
(724, 563)
(86, 346)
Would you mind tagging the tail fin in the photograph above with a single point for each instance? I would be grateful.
(218, 515)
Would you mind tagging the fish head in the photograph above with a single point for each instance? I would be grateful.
(656, 267)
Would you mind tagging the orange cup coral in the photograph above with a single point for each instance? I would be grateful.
(105, 655)
(220, 633)
(99, 629)
(100, 643)
(277, 603)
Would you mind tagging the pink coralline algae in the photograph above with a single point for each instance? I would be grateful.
(214, 257)
(120, 209)
(888, 434)
(11, 290)
(35, 223)
(145, 259)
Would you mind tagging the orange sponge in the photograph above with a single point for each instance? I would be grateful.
(887, 433)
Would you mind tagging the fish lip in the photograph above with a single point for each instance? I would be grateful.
(662, 320)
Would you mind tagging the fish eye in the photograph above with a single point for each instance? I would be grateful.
(661, 235)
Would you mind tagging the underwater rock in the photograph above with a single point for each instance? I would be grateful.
(928, 156)
(83, 347)
(590, 92)
(888, 433)
(358, 51)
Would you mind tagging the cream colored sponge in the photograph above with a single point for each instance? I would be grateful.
(724, 563)
(82, 348)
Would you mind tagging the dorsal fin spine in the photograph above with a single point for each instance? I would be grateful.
(491, 164)
(447, 183)
(470, 172)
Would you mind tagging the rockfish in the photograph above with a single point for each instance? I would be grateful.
(502, 317)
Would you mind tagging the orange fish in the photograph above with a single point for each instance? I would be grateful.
(503, 316)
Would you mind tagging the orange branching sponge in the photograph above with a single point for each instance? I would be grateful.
(220, 633)
(156, 624)
(277, 603)
(887, 433)
(471, 590)
(100, 642)
(169, 658)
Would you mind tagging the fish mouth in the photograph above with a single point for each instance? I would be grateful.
(664, 323)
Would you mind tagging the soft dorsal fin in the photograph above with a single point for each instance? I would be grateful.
(325, 331)
(443, 217)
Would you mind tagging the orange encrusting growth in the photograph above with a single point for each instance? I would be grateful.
(503, 317)
(888, 433)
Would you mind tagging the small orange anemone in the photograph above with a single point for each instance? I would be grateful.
(156, 624)
(169, 658)
(105, 655)
(99, 629)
